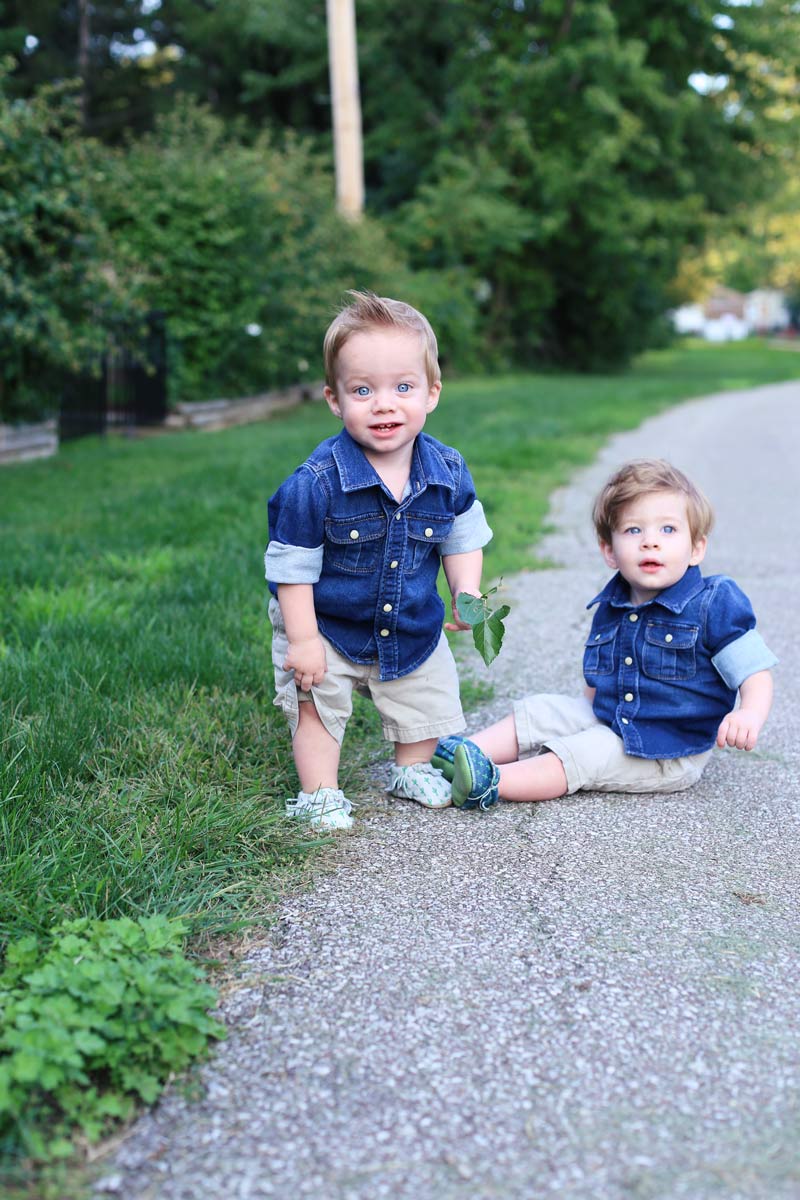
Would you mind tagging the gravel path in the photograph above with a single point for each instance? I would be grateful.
(591, 998)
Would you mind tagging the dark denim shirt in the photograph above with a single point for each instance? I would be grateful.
(373, 562)
(667, 672)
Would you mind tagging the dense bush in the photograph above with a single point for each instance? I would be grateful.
(240, 246)
(57, 297)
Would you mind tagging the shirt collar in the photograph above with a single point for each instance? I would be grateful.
(356, 472)
(675, 598)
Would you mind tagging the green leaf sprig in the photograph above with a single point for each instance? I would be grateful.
(487, 623)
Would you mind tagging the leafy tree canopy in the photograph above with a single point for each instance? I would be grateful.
(562, 156)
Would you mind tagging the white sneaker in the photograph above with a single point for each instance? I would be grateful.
(326, 808)
(421, 782)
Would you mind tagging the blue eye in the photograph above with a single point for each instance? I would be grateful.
(403, 387)
(667, 528)
(363, 390)
(633, 529)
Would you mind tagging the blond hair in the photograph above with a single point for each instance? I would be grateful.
(368, 311)
(643, 476)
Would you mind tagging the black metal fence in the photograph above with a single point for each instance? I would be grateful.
(131, 389)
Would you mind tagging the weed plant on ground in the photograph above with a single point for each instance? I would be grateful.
(143, 765)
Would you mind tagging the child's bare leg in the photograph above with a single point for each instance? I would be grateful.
(539, 778)
(316, 752)
(499, 741)
(406, 753)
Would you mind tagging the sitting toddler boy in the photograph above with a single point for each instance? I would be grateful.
(667, 653)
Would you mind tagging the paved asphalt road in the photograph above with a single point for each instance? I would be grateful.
(590, 999)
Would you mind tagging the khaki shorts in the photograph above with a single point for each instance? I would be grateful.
(424, 704)
(593, 756)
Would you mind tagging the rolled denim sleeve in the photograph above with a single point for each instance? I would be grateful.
(738, 650)
(296, 530)
(470, 532)
(292, 564)
(470, 529)
(743, 658)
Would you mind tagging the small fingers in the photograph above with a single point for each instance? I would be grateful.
(738, 737)
(749, 740)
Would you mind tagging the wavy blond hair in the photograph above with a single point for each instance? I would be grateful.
(368, 311)
(640, 477)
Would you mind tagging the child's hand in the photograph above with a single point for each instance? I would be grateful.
(740, 729)
(458, 622)
(307, 660)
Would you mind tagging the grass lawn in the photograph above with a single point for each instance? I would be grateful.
(143, 768)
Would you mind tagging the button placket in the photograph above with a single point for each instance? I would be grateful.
(628, 695)
(391, 578)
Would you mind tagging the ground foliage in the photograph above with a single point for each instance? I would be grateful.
(94, 1019)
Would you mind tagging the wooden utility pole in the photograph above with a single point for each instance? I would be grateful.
(346, 104)
(83, 57)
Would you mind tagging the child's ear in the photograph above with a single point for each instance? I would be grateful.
(698, 552)
(434, 392)
(333, 403)
(608, 554)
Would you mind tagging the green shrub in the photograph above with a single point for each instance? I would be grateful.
(240, 245)
(57, 302)
(92, 1020)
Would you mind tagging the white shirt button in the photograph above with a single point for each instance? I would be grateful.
(428, 533)
(597, 637)
(398, 516)
(387, 608)
(393, 564)
(633, 617)
(625, 721)
(668, 638)
(354, 534)
(628, 662)
(629, 696)
(384, 633)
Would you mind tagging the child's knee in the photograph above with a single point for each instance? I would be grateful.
(315, 715)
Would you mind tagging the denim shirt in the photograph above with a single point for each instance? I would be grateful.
(667, 672)
(373, 561)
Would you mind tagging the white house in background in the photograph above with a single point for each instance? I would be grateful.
(689, 318)
(765, 310)
(729, 316)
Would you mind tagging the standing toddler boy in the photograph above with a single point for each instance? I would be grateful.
(357, 534)
(667, 653)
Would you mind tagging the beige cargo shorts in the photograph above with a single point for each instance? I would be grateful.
(593, 756)
(424, 704)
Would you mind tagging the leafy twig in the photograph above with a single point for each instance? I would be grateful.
(487, 623)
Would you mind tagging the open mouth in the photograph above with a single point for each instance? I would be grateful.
(387, 427)
(649, 564)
